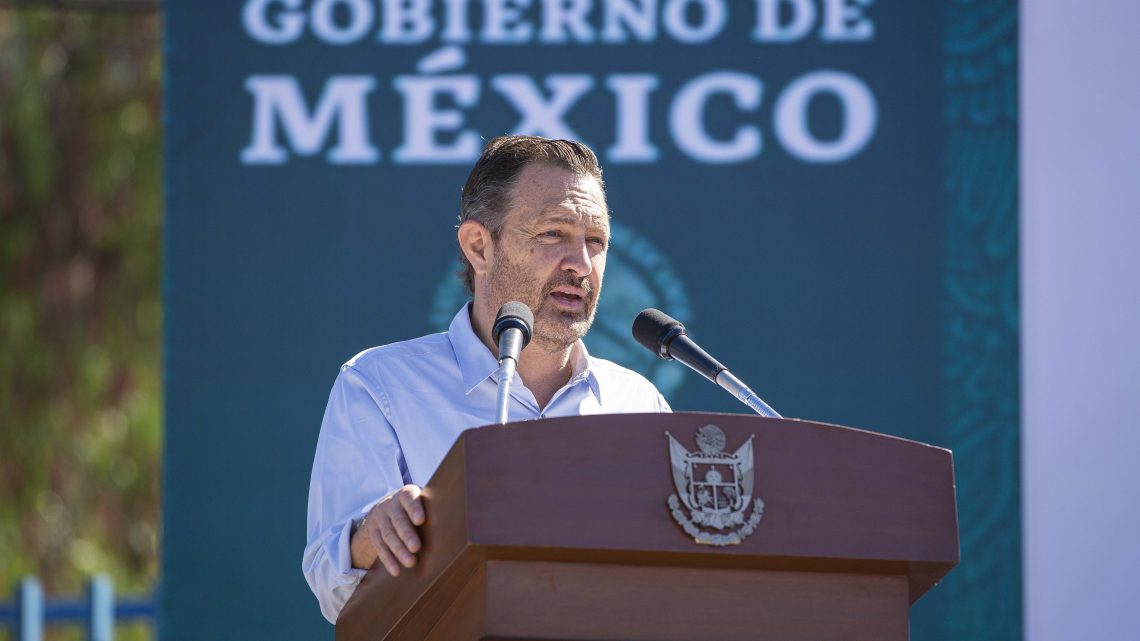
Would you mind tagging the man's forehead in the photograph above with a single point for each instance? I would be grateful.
(569, 211)
(554, 194)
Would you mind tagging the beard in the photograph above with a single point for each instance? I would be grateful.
(554, 328)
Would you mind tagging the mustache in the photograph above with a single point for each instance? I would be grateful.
(582, 283)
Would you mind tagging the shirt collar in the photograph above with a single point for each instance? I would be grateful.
(477, 363)
(580, 361)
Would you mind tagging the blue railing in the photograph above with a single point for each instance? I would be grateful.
(97, 612)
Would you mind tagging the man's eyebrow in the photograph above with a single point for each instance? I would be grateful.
(567, 219)
(559, 218)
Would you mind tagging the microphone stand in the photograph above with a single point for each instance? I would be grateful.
(663, 335)
(737, 388)
(511, 331)
(506, 378)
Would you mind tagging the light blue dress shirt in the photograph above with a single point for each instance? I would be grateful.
(396, 410)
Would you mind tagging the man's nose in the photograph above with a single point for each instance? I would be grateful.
(577, 258)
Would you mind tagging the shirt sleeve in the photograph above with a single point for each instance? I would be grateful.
(358, 461)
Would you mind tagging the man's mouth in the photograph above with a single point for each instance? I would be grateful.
(569, 298)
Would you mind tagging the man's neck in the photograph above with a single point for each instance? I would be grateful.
(543, 368)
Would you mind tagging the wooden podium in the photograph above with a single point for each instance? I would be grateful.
(562, 529)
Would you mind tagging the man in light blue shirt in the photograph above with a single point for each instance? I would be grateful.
(534, 227)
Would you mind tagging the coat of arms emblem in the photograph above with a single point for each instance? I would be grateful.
(714, 489)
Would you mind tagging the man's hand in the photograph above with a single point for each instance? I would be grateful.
(389, 533)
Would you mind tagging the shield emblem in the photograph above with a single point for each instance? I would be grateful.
(714, 487)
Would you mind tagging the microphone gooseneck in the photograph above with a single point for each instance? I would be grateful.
(511, 332)
(665, 336)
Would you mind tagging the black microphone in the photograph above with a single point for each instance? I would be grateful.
(511, 332)
(665, 336)
(512, 329)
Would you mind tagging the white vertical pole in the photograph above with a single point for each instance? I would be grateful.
(101, 597)
(31, 622)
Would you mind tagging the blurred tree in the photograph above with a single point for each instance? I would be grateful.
(80, 311)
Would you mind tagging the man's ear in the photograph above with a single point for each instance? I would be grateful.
(475, 243)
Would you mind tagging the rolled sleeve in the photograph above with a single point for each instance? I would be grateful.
(357, 462)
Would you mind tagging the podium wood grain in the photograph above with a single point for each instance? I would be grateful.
(559, 529)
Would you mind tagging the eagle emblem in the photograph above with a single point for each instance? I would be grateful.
(714, 489)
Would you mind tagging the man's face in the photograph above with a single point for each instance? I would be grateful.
(551, 252)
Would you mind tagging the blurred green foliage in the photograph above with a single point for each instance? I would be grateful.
(80, 308)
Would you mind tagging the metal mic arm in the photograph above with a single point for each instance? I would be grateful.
(681, 348)
(663, 335)
(737, 388)
(511, 343)
(511, 332)
(503, 400)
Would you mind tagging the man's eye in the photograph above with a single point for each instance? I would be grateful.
(600, 242)
(552, 234)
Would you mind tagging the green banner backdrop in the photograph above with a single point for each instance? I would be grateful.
(823, 190)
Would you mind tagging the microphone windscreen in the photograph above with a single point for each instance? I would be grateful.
(513, 314)
(651, 326)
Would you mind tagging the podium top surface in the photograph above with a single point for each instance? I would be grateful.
(603, 483)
